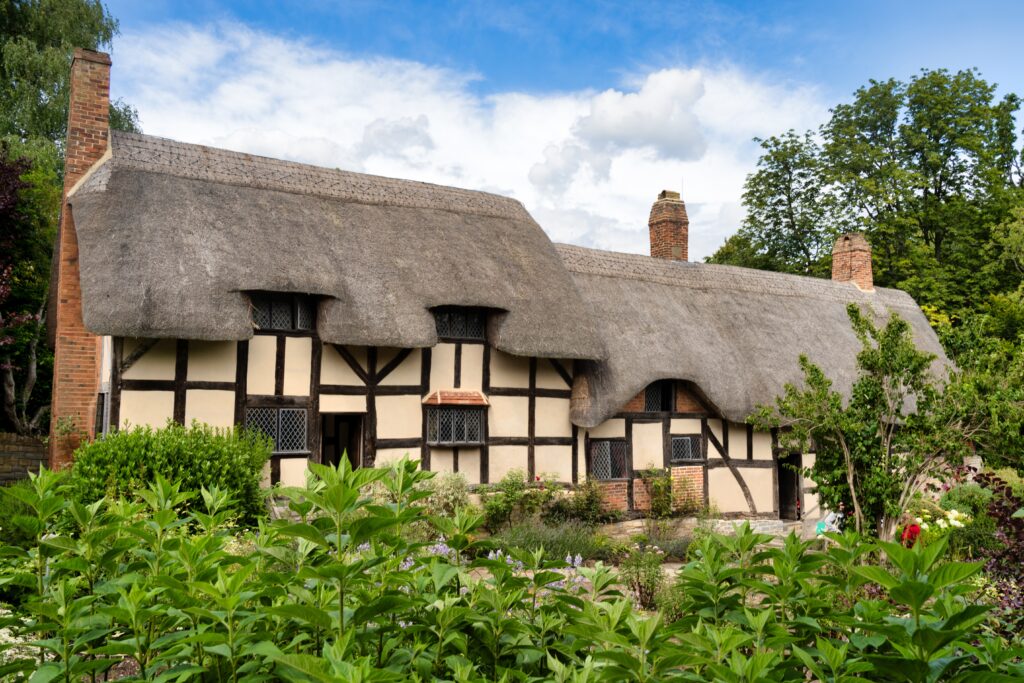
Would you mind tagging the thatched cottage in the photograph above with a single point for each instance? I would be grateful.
(355, 316)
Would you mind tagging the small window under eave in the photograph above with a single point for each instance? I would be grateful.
(283, 312)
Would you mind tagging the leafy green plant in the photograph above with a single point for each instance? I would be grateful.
(127, 461)
(514, 499)
(585, 504)
(642, 575)
(568, 539)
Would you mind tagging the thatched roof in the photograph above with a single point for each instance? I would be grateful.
(171, 235)
(735, 332)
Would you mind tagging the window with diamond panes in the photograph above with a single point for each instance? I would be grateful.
(686, 449)
(658, 397)
(460, 324)
(455, 426)
(285, 426)
(608, 460)
(282, 312)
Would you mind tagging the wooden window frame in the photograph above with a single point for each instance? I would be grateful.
(627, 468)
(294, 302)
(431, 411)
(463, 311)
(701, 444)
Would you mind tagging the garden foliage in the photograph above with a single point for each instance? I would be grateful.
(126, 461)
(344, 595)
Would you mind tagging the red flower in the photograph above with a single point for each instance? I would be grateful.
(910, 534)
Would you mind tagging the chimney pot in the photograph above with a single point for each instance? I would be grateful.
(851, 261)
(669, 227)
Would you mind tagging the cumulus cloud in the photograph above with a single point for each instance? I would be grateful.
(587, 164)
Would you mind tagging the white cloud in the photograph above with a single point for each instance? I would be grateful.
(587, 164)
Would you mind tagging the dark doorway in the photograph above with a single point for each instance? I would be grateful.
(341, 434)
(789, 485)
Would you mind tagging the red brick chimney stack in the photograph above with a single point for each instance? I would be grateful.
(851, 261)
(670, 227)
(76, 371)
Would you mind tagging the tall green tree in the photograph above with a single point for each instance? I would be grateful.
(37, 38)
(901, 425)
(793, 216)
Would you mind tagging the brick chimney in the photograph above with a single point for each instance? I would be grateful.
(851, 261)
(670, 227)
(76, 364)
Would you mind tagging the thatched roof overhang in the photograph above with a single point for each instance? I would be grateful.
(172, 236)
(735, 333)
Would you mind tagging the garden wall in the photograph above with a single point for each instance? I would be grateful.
(19, 455)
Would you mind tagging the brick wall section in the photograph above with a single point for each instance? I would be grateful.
(615, 494)
(76, 351)
(669, 227)
(637, 404)
(851, 261)
(20, 455)
(687, 402)
(688, 487)
(641, 496)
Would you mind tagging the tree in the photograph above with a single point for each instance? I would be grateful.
(792, 216)
(900, 426)
(926, 168)
(37, 38)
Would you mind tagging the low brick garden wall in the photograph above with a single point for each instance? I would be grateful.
(20, 455)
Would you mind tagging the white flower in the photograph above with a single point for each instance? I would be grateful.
(941, 523)
(957, 523)
(924, 526)
(918, 520)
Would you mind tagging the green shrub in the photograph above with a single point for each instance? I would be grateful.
(970, 498)
(13, 514)
(641, 573)
(568, 539)
(659, 489)
(584, 504)
(514, 499)
(449, 493)
(125, 462)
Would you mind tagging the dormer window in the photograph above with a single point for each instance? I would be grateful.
(659, 397)
(461, 324)
(273, 312)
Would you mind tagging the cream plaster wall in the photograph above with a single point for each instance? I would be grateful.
(552, 417)
(505, 458)
(811, 502)
(609, 429)
(298, 359)
(762, 446)
(215, 408)
(334, 369)
(141, 408)
(106, 353)
(399, 417)
(212, 361)
(647, 445)
(508, 416)
(685, 426)
(442, 460)
(442, 367)
(293, 471)
(336, 403)
(386, 456)
(762, 487)
(509, 371)
(555, 460)
(157, 363)
(715, 427)
(262, 364)
(471, 374)
(548, 377)
(469, 464)
(737, 441)
(724, 491)
(407, 372)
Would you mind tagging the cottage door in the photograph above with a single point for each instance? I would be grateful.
(789, 485)
(341, 436)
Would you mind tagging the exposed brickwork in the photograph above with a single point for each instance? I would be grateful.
(76, 351)
(686, 402)
(635, 404)
(669, 227)
(688, 487)
(615, 494)
(455, 398)
(851, 261)
(641, 495)
(20, 455)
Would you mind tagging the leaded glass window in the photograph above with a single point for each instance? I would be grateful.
(282, 312)
(659, 397)
(285, 426)
(461, 324)
(455, 426)
(608, 459)
(686, 449)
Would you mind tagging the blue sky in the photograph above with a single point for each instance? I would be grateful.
(580, 110)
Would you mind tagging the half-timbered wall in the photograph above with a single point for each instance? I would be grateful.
(526, 427)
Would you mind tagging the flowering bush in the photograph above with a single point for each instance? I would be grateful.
(641, 573)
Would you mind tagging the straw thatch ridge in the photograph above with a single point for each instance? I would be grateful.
(734, 332)
(171, 236)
